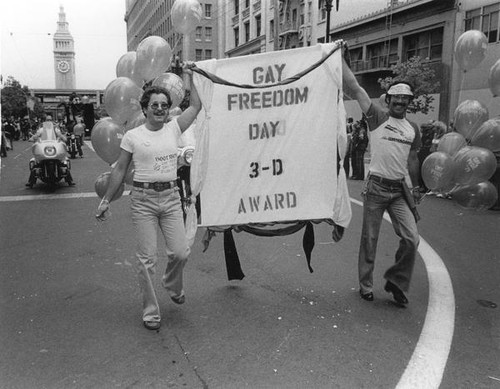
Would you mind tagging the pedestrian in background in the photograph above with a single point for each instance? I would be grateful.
(394, 144)
(359, 146)
(348, 152)
(155, 200)
(79, 131)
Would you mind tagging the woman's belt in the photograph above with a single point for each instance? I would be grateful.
(157, 186)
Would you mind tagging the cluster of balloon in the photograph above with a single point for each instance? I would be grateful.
(465, 160)
(148, 64)
(102, 183)
(462, 169)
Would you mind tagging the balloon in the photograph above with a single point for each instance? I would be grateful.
(470, 49)
(494, 79)
(135, 121)
(381, 100)
(469, 116)
(173, 83)
(106, 137)
(122, 98)
(480, 197)
(153, 57)
(451, 142)
(186, 15)
(474, 165)
(488, 135)
(101, 186)
(126, 67)
(438, 170)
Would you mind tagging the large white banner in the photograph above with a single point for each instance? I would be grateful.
(271, 151)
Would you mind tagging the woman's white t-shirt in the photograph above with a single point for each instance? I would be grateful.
(154, 153)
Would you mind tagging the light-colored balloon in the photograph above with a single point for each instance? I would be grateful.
(474, 165)
(186, 15)
(122, 99)
(438, 170)
(480, 196)
(451, 142)
(470, 49)
(126, 67)
(106, 138)
(173, 84)
(469, 116)
(488, 135)
(101, 186)
(153, 57)
(381, 100)
(494, 79)
(135, 121)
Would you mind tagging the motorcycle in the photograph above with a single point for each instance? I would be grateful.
(72, 145)
(50, 163)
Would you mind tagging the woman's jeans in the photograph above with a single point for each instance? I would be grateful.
(378, 198)
(150, 210)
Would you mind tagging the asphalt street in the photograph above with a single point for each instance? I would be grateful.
(71, 309)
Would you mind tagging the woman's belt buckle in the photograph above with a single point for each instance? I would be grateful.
(160, 186)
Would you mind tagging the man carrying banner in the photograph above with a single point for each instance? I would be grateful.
(394, 145)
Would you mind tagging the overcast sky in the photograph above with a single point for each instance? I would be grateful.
(99, 32)
(28, 26)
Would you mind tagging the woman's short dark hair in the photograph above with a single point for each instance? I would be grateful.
(152, 90)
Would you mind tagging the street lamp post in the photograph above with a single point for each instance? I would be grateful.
(328, 8)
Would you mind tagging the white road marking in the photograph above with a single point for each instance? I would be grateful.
(52, 196)
(426, 367)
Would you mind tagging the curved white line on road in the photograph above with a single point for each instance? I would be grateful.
(426, 367)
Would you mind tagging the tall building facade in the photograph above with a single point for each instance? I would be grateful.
(64, 54)
(152, 17)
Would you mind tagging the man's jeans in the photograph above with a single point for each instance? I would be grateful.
(378, 198)
(151, 209)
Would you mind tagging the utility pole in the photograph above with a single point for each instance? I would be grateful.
(328, 8)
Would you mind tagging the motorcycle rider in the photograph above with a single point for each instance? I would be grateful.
(48, 124)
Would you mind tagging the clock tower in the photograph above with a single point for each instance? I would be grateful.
(64, 54)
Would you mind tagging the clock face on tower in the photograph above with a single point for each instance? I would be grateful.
(63, 66)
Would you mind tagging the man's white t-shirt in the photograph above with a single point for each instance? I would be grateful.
(391, 140)
(154, 153)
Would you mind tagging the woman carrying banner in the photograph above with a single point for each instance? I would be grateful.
(155, 199)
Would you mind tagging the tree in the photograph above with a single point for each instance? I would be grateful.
(422, 76)
(14, 100)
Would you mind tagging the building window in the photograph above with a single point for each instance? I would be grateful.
(356, 56)
(208, 10)
(247, 31)
(426, 45)
(322, 9)
(208, 34)
(208, 54)
(271, 30)
(236, 37)
(247, 4)
(485, 19)
(382, 54)
(198, 54)
(198, 34)
(236, 7)
(258, 25)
